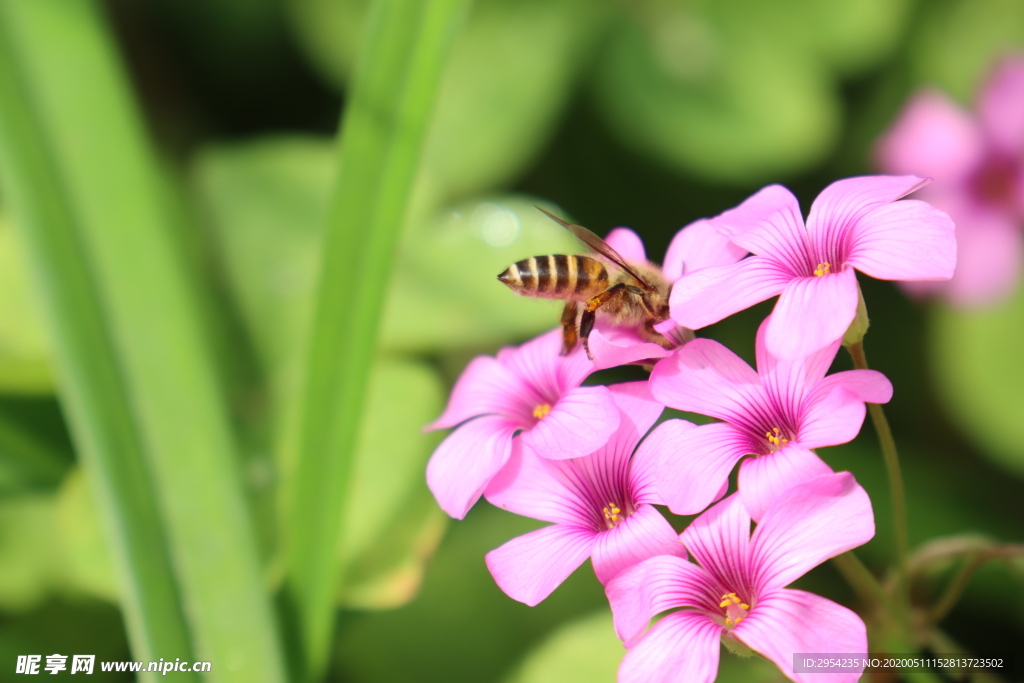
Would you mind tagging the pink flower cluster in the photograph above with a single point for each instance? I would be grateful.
(531, 438)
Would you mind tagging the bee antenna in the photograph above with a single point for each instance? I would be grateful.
(563, 223)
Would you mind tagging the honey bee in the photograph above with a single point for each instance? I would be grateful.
(632, 295)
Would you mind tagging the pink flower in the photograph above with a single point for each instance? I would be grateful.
(776, 414)
(695, 246)
(532, 390)
(854, 223)
(978, 166)
(737, 591)
(601, 506)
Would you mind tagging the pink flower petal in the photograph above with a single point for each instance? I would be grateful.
(788, 382)
(484, 387)
(615, 346)
(539, 363)
(720, 541)
(643, 534)
(699, 245)
(1001, 106)
(712, 294)
(635, 400)
(532, 486)
(769, 224)
(812, 313)
(907, 240)
(835, 409)
(707, 378)
(932, 137)
(695, 463)
(763, 480)
(841, 206)
(528, 568)
(628, 244)
(655, 585)
(467, 460)
(581, 422)
(645, 467)
(989, 246)
(814, 521)
(681, 648)
(785, 622)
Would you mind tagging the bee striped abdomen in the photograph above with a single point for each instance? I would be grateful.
(557, 276)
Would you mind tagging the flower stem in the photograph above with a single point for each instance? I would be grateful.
(892, 466)
(959, 583)
(863, 581)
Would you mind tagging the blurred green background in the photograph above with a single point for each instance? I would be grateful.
(643, 113)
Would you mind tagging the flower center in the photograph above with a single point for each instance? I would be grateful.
(996, 183)
(775, 439)
(541, 411)
(824, 268)
(612, 515)
(735, 609)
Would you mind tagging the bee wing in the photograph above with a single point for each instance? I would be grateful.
(599, 246)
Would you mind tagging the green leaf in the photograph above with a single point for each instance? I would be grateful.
(89, 567)
(29, 558)
(137, 376)
(980, 374)
(265, 201)
(391, 524)
(509, 76)
(24, 350)
(380, 148)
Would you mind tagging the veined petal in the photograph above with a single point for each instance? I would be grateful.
(484, 387)
(540, 365)
(645, 466)
(581, 422)
(933, 136)
(812, 313)
(1001, 106)
(695, 463)
(643, 534)
(529, 567)
(712, 294)
(615, 346)
(681, 648)
(655, 585)
(788, 382)
(763, 480)
(907, 240)
(814, 521)
(834, 410)
(786, 621)
(720, 541)
(699, 245)
(467, 460)
(707, 378)
(841, 206)
(531, 486)
(769, 224)
(628, 244)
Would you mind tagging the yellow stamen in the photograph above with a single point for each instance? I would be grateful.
(541, 411)
(612, 512)
(728, 621)
(775, 437)
(744, 605)
(823, 269)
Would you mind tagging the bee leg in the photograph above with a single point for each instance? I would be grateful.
(594, 303)
(569, 336)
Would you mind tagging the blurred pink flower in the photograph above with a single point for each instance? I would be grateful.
(531, 389)
(737, 591)
(695, 246)
(855, 223)
(978, 166)
(776, 414)
(601, 506)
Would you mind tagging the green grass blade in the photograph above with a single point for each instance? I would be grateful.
(91, 386)
(380, 147)
(126, 241)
